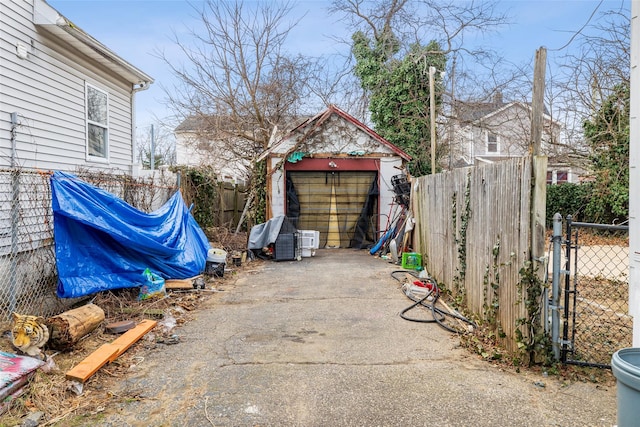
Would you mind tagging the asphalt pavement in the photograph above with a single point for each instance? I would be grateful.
(319, 342)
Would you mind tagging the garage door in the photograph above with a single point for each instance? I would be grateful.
(332, 203)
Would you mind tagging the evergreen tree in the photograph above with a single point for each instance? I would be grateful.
(607, 135)
(398, 90)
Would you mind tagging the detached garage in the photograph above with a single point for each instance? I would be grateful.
(333, 174)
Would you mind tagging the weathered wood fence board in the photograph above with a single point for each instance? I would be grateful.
(473, 230)
(232, 200)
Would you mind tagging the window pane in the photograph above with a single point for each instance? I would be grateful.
(492, 148)
(97, 141)
(96, 106)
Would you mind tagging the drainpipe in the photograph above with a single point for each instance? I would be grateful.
(135, 88)
(15, 210)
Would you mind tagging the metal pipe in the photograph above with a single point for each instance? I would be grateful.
(555, 286)
(432, 111)
(567, 292)
(15, 210)
(152, 162)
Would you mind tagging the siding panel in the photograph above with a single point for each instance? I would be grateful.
(47, 92)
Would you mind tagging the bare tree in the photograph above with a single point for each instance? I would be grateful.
(237, 80)
(591, 73)
(473, 72)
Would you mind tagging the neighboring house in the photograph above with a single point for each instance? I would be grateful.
(67, 100)
(334, 175)
(197, 145)
(488, 132)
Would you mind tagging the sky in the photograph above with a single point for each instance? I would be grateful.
(135, 29)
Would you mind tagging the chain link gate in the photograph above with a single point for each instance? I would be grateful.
(595, 293)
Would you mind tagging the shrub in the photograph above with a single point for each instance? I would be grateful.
(568, 199)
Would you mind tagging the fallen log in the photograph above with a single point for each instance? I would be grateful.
(67, 328)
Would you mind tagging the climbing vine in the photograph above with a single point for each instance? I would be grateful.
(258, 194)
(200, 187)
(491, 307)
(536, 345)
(461, 238)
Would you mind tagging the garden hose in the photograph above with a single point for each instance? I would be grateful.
(428, 301)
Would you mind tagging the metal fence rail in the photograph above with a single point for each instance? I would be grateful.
(596, 322)
(28, 276)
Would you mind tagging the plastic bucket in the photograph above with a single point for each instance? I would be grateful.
(217, 255)
(625, 365)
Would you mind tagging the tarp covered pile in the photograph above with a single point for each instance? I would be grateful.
(103, 243)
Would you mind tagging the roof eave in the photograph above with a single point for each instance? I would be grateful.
(49, 19)
(332, 109)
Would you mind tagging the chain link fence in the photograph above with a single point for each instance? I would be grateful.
(596, 293)
(28, 276)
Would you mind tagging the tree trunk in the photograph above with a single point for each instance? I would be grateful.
(67, 328)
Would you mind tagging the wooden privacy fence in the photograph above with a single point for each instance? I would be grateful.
(473, 228)
(232, 199)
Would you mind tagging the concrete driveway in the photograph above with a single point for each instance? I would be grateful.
(320, 342)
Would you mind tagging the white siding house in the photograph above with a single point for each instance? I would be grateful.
(488, 132)
(196, 146)
(67, 101)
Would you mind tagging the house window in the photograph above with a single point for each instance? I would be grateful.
(97, 122)
(492, 143)
(557, 177)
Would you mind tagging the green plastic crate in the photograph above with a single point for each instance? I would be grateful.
(411, 260)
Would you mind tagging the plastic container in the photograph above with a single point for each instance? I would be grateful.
(214, 268)
(411, 260)
(217, 255)
(625, 365)
(285, 247)
(309, 241)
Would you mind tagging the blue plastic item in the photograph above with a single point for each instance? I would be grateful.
(625, 365)
(103, 243)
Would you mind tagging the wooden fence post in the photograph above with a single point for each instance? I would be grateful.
(539, 191)
(235, 205)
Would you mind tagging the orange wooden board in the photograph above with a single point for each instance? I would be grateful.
(126, 340)
(178, 284)
(90, 365)
(109, 352)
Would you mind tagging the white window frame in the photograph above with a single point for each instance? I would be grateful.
(497, 143)
(88, 123)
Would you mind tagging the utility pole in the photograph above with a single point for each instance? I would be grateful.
(152, 161)
(432, 111)
(537, 103)
(539, 169)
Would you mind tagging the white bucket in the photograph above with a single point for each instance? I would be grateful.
(218, 256)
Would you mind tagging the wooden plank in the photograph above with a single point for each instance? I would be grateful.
(180, 283)
(90, 365)
(109, 352)
(126, 340)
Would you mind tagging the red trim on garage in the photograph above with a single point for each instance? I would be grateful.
(340, 165)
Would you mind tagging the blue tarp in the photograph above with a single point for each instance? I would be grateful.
(103, 243)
